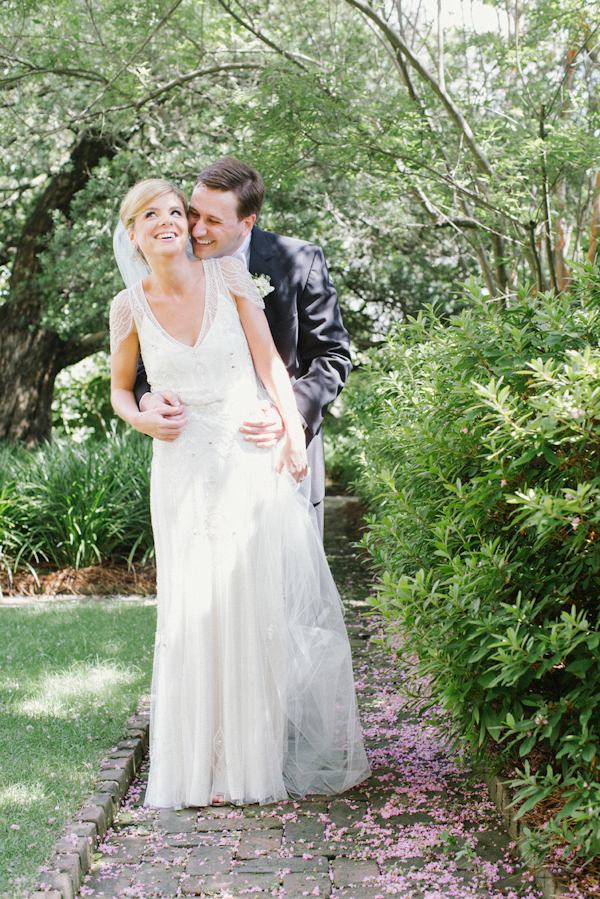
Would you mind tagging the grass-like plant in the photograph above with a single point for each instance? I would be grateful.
(76, 504)
(70, 674)
(480, 451)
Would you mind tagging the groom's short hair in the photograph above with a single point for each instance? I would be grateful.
(231, 174)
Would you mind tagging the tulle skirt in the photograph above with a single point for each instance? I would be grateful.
(253, 691)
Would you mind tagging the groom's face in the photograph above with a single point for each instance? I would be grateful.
(214, 225)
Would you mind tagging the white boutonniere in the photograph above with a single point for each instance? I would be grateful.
(263, 284)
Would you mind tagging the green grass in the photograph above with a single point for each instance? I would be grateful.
(70, 675)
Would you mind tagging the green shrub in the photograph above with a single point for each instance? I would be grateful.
(81, 406)
(76, 504)
(480, 453)
(342, 466)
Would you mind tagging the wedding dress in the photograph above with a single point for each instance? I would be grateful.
(253, 692)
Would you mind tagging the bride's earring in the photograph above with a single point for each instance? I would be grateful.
(136, 253)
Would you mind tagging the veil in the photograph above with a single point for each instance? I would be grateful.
(131, 266)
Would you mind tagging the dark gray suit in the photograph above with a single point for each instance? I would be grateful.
(306, 324)
(305, 320)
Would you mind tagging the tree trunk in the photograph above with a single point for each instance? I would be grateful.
(31, 356)
(595, 226)
(30, 360)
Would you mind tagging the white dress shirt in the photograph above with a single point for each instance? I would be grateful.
(243, 253)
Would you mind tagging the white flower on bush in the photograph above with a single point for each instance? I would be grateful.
(263, 284)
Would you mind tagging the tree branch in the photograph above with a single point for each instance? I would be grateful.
(81, 74)
(539, 278)
(481, 160)
(86, 153)
(93, 340)
(153, 95)
(595, 225)
(126, 65)
(190, 76)
(262, 37)
(440, 37)
(546, 200)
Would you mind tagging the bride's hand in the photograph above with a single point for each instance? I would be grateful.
(165, 401)
(293, 458)
(162, 416)
(264, 425)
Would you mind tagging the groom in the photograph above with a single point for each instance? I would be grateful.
(302, 309)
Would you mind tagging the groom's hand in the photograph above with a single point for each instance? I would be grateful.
(264, 425)
(164, 416)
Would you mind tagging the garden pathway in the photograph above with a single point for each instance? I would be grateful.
(422, 826)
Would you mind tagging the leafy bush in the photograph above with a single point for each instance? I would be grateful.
(76, 504)
(341, 464)
(480, 452)
(81, 406)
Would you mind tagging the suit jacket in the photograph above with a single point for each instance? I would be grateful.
(305, 320)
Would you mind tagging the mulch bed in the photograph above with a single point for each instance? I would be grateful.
(96, 580)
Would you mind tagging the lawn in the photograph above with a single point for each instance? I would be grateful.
(71, 672)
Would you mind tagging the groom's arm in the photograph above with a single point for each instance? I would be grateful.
(323, 343)
(141, 386)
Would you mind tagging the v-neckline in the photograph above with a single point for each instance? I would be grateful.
(204, 323)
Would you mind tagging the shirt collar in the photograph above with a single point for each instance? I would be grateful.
(243, 252)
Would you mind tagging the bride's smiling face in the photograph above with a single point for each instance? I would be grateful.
(161, 228)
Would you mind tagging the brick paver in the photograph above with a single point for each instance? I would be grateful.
(422, 826)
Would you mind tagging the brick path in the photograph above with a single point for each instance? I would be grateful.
(421, 826)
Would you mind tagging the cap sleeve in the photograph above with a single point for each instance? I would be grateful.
(239, 281)
(120, 321)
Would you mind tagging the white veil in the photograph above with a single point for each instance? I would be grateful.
(130, 265)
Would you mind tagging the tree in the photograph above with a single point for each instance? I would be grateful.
(31, 355)
(493, 133)
(85, 113)
(414, 153)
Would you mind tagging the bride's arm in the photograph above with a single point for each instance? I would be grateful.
(274, 376)
(123, 370)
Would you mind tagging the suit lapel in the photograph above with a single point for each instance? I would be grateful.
(260, 253)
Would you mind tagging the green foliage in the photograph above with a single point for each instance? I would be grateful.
(480, 457)
(76, 504)
(11, 547)
(408, 174)
(79, 275)
(342, 464)
(388, 154)
(70, 674)
(82, 406)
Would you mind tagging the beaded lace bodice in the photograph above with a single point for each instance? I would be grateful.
(219, 363)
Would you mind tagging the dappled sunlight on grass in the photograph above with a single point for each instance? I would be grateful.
(63, 694)
(19, 794)
(70, 674)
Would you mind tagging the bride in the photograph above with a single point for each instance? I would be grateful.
(252, 692)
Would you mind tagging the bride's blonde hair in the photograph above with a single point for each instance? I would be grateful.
(140, 195)
(143, 193)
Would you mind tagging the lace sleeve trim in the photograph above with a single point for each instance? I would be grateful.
(239, 281)
(121, 320)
